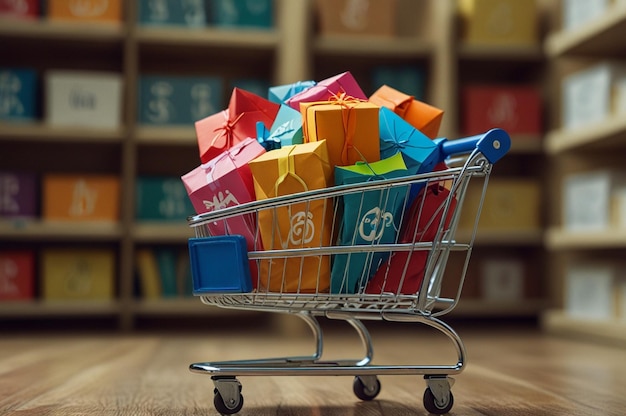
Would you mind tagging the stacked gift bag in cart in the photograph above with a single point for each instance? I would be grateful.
(308, 136)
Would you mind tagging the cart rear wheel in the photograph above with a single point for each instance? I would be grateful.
(363, 391)
(223, 408)
(433, 406)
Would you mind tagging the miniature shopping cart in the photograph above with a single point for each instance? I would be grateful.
(397, 279)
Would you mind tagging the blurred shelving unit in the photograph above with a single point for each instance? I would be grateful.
(597, 145)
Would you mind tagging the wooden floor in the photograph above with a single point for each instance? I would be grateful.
(510, 372)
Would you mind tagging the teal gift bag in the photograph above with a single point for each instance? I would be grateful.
(369, 218)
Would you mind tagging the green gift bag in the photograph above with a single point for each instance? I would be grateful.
(369, 218)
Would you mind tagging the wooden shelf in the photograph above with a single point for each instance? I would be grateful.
(38, 131)
(34, 230)
(504, 237)
(487, 308)
(530, 53)
(191, 306)
(601, 37)
(58, 30)
(373, 46)
(42, 309)
(170, 135)
(222, 38)
(154, 232)
(609, 331)
(598, 135)
(559, 239)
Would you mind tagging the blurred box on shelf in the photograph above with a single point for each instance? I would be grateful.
(589, 290)
(516, 109)
(190, 14)
(83, 99)
(242, 13)
(18, 195)
(177, 100)
(591, 200)
(502, 279)
(405, 78)
(77, 274)
(162, 199)
(357, 17)
(576, 13)
(21, 9)
(510, 204)
(17, 275)
(88, 197)
(85, 10)
(499, 22)
(18, 94)
(594, 94)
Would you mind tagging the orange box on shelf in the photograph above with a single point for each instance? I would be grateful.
(81, 197)
(85, 10)
(77, 274)
(17, 275)
(357, 17)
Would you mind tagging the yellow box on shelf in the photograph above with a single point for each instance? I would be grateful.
(85, 10)
(81, 197)
(499, 22)
(77, 274)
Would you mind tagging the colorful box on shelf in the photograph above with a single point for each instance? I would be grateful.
(17, 275)
(88, 197)
(502, 279)
(162, 272)
(350, 128)
(590, 290)
(83, 99)
(499, 22)
(594, 94)
(516, 109)
(328, 88)
(177, 100)
(510, 204)
(190, 14)
(20, 9)
(109, 11)
(409, 79)
(281, 93)
(77, 274)
(18, 94)
(223, 130)
(161, 198)
(285, 171)
(242, 13)
(18, 195)
(591, 200)
(357, 17)
(420, 115)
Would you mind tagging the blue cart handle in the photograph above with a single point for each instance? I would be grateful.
(494, 144)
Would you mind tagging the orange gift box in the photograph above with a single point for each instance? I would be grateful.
(420, 115)
(85, 10)
(349, 126)
(81, 197)
(285, 171)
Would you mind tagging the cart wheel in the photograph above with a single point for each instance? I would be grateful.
(224, 409)
(433, 406)
(363, 391)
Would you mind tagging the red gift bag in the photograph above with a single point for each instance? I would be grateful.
(407, 268)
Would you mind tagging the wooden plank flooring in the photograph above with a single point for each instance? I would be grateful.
(510, 372)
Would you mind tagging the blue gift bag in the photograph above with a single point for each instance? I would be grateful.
(369, 218)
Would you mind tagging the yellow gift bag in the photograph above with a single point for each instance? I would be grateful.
(284, 171)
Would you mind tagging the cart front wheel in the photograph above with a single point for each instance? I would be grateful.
(436, 407)
(226, 408)
(366, 387)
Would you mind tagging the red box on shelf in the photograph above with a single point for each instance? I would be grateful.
(516, 109)
(22, 9)
(17, 275)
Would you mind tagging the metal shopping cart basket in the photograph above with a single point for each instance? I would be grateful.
(396, 280)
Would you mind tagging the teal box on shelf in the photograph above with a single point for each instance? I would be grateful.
(242, 13)
(18, 94)
(178, 100)
(172, 13)
(404, 78)
(162, 199)
(219, 265)
(256, 86)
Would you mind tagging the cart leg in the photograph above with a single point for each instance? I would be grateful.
(366, 339)
(228, 399)
(438, 398)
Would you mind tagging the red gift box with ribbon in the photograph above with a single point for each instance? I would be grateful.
(349, 126)
(223, 130)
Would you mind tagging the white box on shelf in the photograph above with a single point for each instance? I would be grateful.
(503, 280)
(578, 12)
(83, 99)
(589, 291)
(594, 94)
(588, 199)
